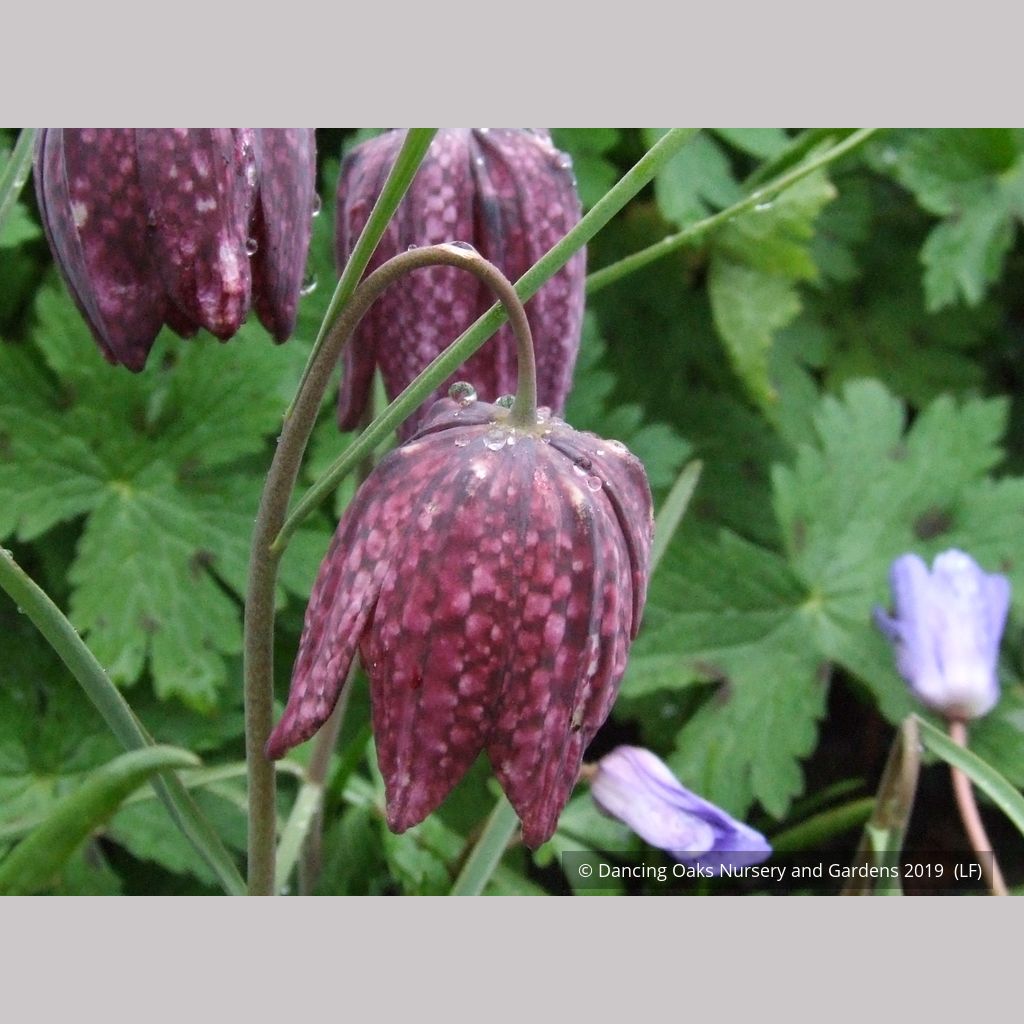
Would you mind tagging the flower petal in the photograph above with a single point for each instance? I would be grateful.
(526, 202)
(624, 482)
(96, 221)
(283, 224)
(200, 188)
(637, 787)
(438, 646)
(363, 173)
(343, 601)
(569, 636)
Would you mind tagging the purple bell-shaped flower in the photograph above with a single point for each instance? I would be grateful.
(184, 226)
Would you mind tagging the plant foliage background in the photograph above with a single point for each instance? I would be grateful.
(844, 359)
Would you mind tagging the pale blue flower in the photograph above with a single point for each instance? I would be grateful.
(638, 788)
(946, 628)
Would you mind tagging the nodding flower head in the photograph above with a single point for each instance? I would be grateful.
(511, 195)
(183, 226)
(492, 578)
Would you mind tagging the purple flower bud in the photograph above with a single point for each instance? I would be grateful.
(638, 788)
(511, 195)
(492, 579)
(183, 226)
(946, 628)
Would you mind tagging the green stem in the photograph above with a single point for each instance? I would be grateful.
(303, 814)
(487, 853)
(473, 338)
(673, 509)
(616, 271)
(410, 156)
(264, 558)
(885, 830)
(15, 173)
(116, 712)
(316, 776)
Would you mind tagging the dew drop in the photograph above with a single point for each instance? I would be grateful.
(251, 247)
(565, 161)
(461, 442)
(618, 447)
(462, 392)
(462, 245)
(543, 413)
(317, 205)
(495, 439)
(411, 246)
(579, 470)
(151, 218)
(763, 207)
(506, 401)
(308, 285)
(593, 483)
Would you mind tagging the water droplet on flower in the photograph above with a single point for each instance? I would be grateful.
(506, 401)
(593, 483)
(543, 413)
(308, 285)
(618, 447)
(151, 218)
(763, 207)
(565, 161)
(462, 392)
(495, 439)
(251, 247)
(461, 442)
(317, 206)
(462, 245)
(411, 246)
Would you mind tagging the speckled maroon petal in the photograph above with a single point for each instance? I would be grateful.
(96, 221)
(625, 484)
(526, 202)
(438, 646)
(560, 676)
(200, 188)
(413, 322)
(510, 194)
(343, 599)
(363, 173)
(283, 224)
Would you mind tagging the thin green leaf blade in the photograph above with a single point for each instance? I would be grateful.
(994, 785)
(33, 863)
